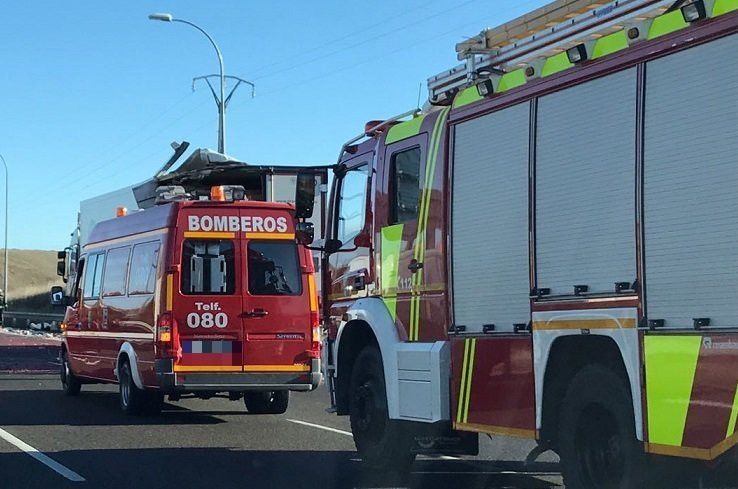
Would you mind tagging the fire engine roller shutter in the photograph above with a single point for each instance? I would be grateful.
(585, 186)
(490, 220)
(691, 186)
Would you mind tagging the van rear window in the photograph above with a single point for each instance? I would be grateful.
(273, 268)
(208, 267)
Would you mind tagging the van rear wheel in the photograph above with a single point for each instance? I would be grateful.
(270, 402)
(70, 384)
(134, 400)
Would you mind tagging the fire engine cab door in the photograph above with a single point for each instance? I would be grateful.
(402, 237)
(349, 267)
(276, 299)
(207, 304)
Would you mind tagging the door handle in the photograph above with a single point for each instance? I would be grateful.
(256, 313)
(415, 265)
(78, 325)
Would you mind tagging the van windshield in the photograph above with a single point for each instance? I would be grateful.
(208, 267)
(273, 268)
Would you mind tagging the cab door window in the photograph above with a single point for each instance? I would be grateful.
(208, 267)
(404, 185)
(93, 276)
(352, 203)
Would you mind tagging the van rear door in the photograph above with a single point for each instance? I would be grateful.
(207, 306)
(276, 298)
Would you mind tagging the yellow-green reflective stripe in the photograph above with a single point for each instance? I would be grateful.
(413, 317)
(666, 24)
(724, 6)
(425, 195)
(556, 63)
(404, 130)
(390, 263)
(609, 44)
(462, 383)
(467, 96)
(470, 375)
(511, 80)
(671, 362)
(733, 415)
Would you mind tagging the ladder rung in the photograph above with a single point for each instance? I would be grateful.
(484, 52)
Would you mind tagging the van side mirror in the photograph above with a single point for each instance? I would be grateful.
(57, 296)
(305, 233)
(332, 245)
(304, 195)
(61, 264)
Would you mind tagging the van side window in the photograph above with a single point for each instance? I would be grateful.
(93, 275)
(273, 268)
(208, 267)
(405, 185)
(352, 203)
(142, 275)
(116, 269)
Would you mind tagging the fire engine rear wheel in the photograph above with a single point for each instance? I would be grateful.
(70, 384)
(597, 441)
(383, 444)
(272, 402)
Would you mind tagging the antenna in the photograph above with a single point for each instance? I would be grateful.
(420, 89)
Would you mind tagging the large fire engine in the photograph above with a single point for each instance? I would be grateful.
(549, 250)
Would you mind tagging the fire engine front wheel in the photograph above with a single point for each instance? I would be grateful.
(272, 402)
(597, 441)
(70, 384)
(134, 400)
(383, 444)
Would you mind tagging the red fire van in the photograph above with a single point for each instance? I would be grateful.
(196, 297)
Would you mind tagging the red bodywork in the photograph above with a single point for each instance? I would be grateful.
(230, 340)
(503, 398)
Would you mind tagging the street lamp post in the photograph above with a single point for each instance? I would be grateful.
(222, 101)
(5, 252)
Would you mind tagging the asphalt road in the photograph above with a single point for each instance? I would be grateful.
(196, 443)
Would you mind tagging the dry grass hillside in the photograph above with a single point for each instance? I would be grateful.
(30, 277)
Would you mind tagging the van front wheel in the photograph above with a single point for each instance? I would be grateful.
(70, 384)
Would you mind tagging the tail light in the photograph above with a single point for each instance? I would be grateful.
(166, 329)
(314, 318)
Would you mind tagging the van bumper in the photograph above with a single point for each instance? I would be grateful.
(178, 382)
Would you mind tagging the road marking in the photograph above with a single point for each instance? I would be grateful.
(326, 428)
(44, 459)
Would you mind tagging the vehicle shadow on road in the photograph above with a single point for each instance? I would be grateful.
(229, 468)
(51, 407)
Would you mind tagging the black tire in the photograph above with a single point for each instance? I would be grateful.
(132, 399)
(70, 383)
(270, 402)
(382, 443)
(597, 441)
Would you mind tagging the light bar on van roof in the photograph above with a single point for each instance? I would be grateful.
(227, 193)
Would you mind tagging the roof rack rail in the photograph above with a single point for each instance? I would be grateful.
(549, 30)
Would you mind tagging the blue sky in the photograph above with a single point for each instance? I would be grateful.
(94, 92)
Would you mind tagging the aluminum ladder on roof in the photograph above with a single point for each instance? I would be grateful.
(556, 27)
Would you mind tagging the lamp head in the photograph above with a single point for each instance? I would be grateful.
(162, 17)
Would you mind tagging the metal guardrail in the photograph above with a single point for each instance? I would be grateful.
(24, 320)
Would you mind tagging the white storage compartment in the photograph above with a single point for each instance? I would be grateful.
(423, 381)
(585, 186)
(691, 186)
(489, 222)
